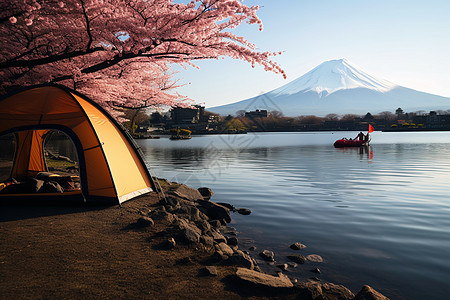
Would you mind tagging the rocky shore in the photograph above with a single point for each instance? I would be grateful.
(178, 245)
(196, 220)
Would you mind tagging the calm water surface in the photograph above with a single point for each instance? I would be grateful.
(378, 216)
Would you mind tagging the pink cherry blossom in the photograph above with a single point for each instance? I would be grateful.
(120, 52)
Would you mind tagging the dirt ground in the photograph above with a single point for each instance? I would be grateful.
(82, 252)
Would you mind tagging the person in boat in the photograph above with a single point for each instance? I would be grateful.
(360, 136)
(366, 137)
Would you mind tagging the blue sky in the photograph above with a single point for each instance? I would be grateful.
(405, 42)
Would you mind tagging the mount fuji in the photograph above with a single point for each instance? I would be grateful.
(339, 87)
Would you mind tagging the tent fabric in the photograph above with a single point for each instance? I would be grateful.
(111, 169)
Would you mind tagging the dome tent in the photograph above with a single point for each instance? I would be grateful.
(111, 169)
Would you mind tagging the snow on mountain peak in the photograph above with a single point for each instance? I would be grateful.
(332, 76)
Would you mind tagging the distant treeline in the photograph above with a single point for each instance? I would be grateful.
(276, 121)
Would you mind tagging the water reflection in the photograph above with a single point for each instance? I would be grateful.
(364, 152)
(379, 219)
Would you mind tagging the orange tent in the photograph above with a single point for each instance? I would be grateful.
(111, 169)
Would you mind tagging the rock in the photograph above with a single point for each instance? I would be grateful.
(314, 258)
(206, 192)
(219, 256)
(217, 236)
(292, 264)
(207, 241)
(244, 211)
(185, 192)
(298, 258)
(368, 293)
(228, 230)
(215, 223)
(232, 241)
(326, 291)
(283, 267)
(189, 232)
(144, 222)
(209, 271)
(203, 225)
(214, 211)
(310, 290)
(190, 235)
(189, 212)
(316, 270)
(297, 246)
(280, 281)
(171, 243)
(225, 249)
(241, 259)
(267, 255)
(252, 248)
(338, 292)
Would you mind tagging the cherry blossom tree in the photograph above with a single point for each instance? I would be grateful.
(120, 52)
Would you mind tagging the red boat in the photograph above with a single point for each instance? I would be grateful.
(350, 143)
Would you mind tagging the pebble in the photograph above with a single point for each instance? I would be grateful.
(297, 246)
(314, 258)
(267, 255)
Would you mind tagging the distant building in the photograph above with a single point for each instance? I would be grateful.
(257, 114)
(433, 120)
(194, 118)
(192, 115)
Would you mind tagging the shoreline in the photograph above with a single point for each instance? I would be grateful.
(174, 248)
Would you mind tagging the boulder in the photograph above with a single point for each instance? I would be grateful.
(206, 192)
(189, 232)
(368, 293)
(225, 249)
(254, 277)
(326, 291)
(241, 259)
(267, 255)
(335, 291)
(214, 211)
(298, 258)
(185, 192)
(297, 246)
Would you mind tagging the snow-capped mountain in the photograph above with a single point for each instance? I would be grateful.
(337, 86)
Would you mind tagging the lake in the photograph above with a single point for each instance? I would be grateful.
(377, 216)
